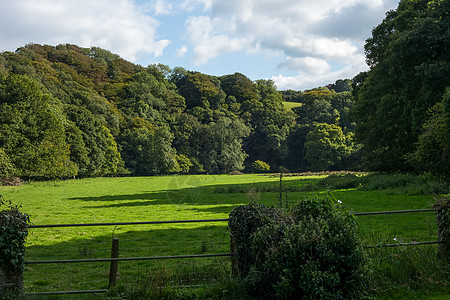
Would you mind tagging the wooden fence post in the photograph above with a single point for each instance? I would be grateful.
(114, 264)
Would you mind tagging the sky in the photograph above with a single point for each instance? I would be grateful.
(300, 44)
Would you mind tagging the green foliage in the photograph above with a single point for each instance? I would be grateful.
(148, 150)
(69, 111)
(260, 166)
(443, 220)
(433, 146)
(184, 163)
(243, 223)
(199, 90)
(14, 231)
(313, 253)
(341, 86)
(326, 147)
(32, 132)
(409, 73)
(218, 146)
(6, 166)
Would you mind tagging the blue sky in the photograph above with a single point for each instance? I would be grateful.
(300, 44)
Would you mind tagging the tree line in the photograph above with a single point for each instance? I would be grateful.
(69, 111)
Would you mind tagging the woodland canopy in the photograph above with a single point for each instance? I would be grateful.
(69, 111)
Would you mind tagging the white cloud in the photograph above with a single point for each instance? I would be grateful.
(316, 39)
(313, 35)
(207, 40)
(308, 78)
(118, 26)
(308, 65)
(181, 52)
(162, 7)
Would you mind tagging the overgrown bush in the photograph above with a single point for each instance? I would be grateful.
(311, 252)
(443, 219)
(13, 233)
(244, 221)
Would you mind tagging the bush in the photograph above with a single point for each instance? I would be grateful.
(14, 231)
(311, 252)
(260, 167)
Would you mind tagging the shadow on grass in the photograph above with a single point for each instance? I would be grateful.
(225, 195)
(210, 239)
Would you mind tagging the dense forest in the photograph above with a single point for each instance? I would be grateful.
(68, 111)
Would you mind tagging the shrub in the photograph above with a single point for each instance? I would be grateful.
(244, 220)
(443, 219)
(260, 167)
(14, 231)
(311, 252)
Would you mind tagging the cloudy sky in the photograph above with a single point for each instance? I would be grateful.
(300, 44)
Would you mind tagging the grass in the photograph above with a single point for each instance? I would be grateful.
(100, 200)
(291, 105)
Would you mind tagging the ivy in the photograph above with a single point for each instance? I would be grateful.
(13, 233)
(443, 220)
(311, 251)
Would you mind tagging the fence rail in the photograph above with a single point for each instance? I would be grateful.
(392, 212)
(115, 259)
(63, 261)
(128, 223)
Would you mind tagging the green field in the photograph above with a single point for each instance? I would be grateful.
(165, 198)
(291, 105)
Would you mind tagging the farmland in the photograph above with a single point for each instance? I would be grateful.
(164, 198)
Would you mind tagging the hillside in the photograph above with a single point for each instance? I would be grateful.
(68, 111)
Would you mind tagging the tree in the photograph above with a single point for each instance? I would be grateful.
(260, 166)
(238, 86)
(199, 90)
(6, 166)
(433, 147)
(326, 147)
(341, 85)
(147, 149)
(218, 145)
(95, 148)
(270, 122)
(317, 108)
(409, 61)
(31, 130)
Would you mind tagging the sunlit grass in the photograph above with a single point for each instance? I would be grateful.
(291, 105)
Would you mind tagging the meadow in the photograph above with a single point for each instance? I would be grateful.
(194, 197)
(291, 105)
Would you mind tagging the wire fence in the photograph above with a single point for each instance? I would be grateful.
(150, 253)
(385, 229)
(76, 258)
